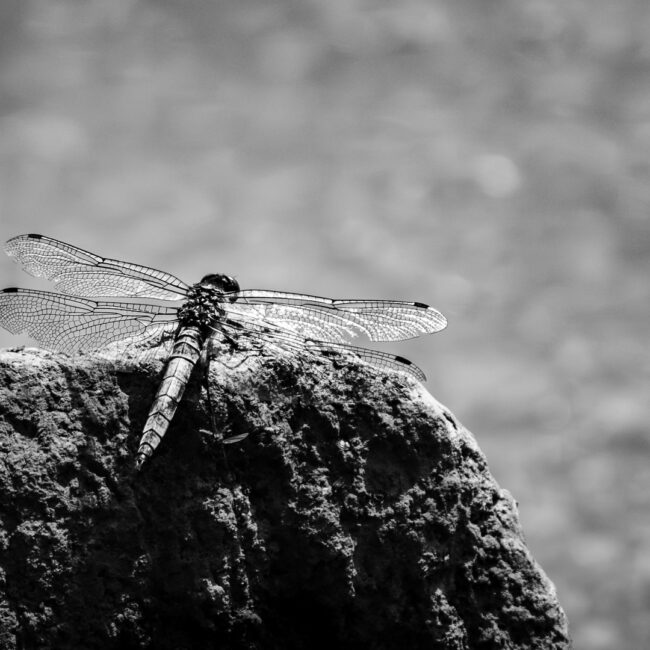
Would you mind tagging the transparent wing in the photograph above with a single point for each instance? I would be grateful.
(337, 320)
(383, 360)
(297, 344)
(70, 324)
(80, 273)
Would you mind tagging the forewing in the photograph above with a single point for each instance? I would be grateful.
(80, 273)
(338, 320)
(71, 324)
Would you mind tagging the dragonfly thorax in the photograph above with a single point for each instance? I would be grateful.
(203, 307)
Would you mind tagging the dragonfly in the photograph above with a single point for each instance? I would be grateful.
(158, 310)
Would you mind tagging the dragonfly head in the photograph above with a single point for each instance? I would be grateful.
(221, 282)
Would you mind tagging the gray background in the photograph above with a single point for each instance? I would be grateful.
(488, 157)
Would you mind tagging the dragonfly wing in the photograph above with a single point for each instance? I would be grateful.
(80, 273)
(338, 320)
(296, 343)
(70, 323)
(383, 360)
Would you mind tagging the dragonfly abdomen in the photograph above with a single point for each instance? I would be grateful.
(185, 354)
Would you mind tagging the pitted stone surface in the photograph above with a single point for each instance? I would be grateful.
(358, 513)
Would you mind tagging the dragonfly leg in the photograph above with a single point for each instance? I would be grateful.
(213, 425)
(234, 343)
(206, 383)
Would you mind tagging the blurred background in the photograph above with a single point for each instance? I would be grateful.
(490, 158)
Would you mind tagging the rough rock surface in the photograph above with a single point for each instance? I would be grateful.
(357, 514)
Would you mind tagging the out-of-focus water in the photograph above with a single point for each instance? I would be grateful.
(491, 159)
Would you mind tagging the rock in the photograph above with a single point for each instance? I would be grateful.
(357, 514)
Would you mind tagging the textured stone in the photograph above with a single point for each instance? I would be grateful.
(357, 514)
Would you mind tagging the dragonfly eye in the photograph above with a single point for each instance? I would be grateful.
(220, 281)
(230, 284)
